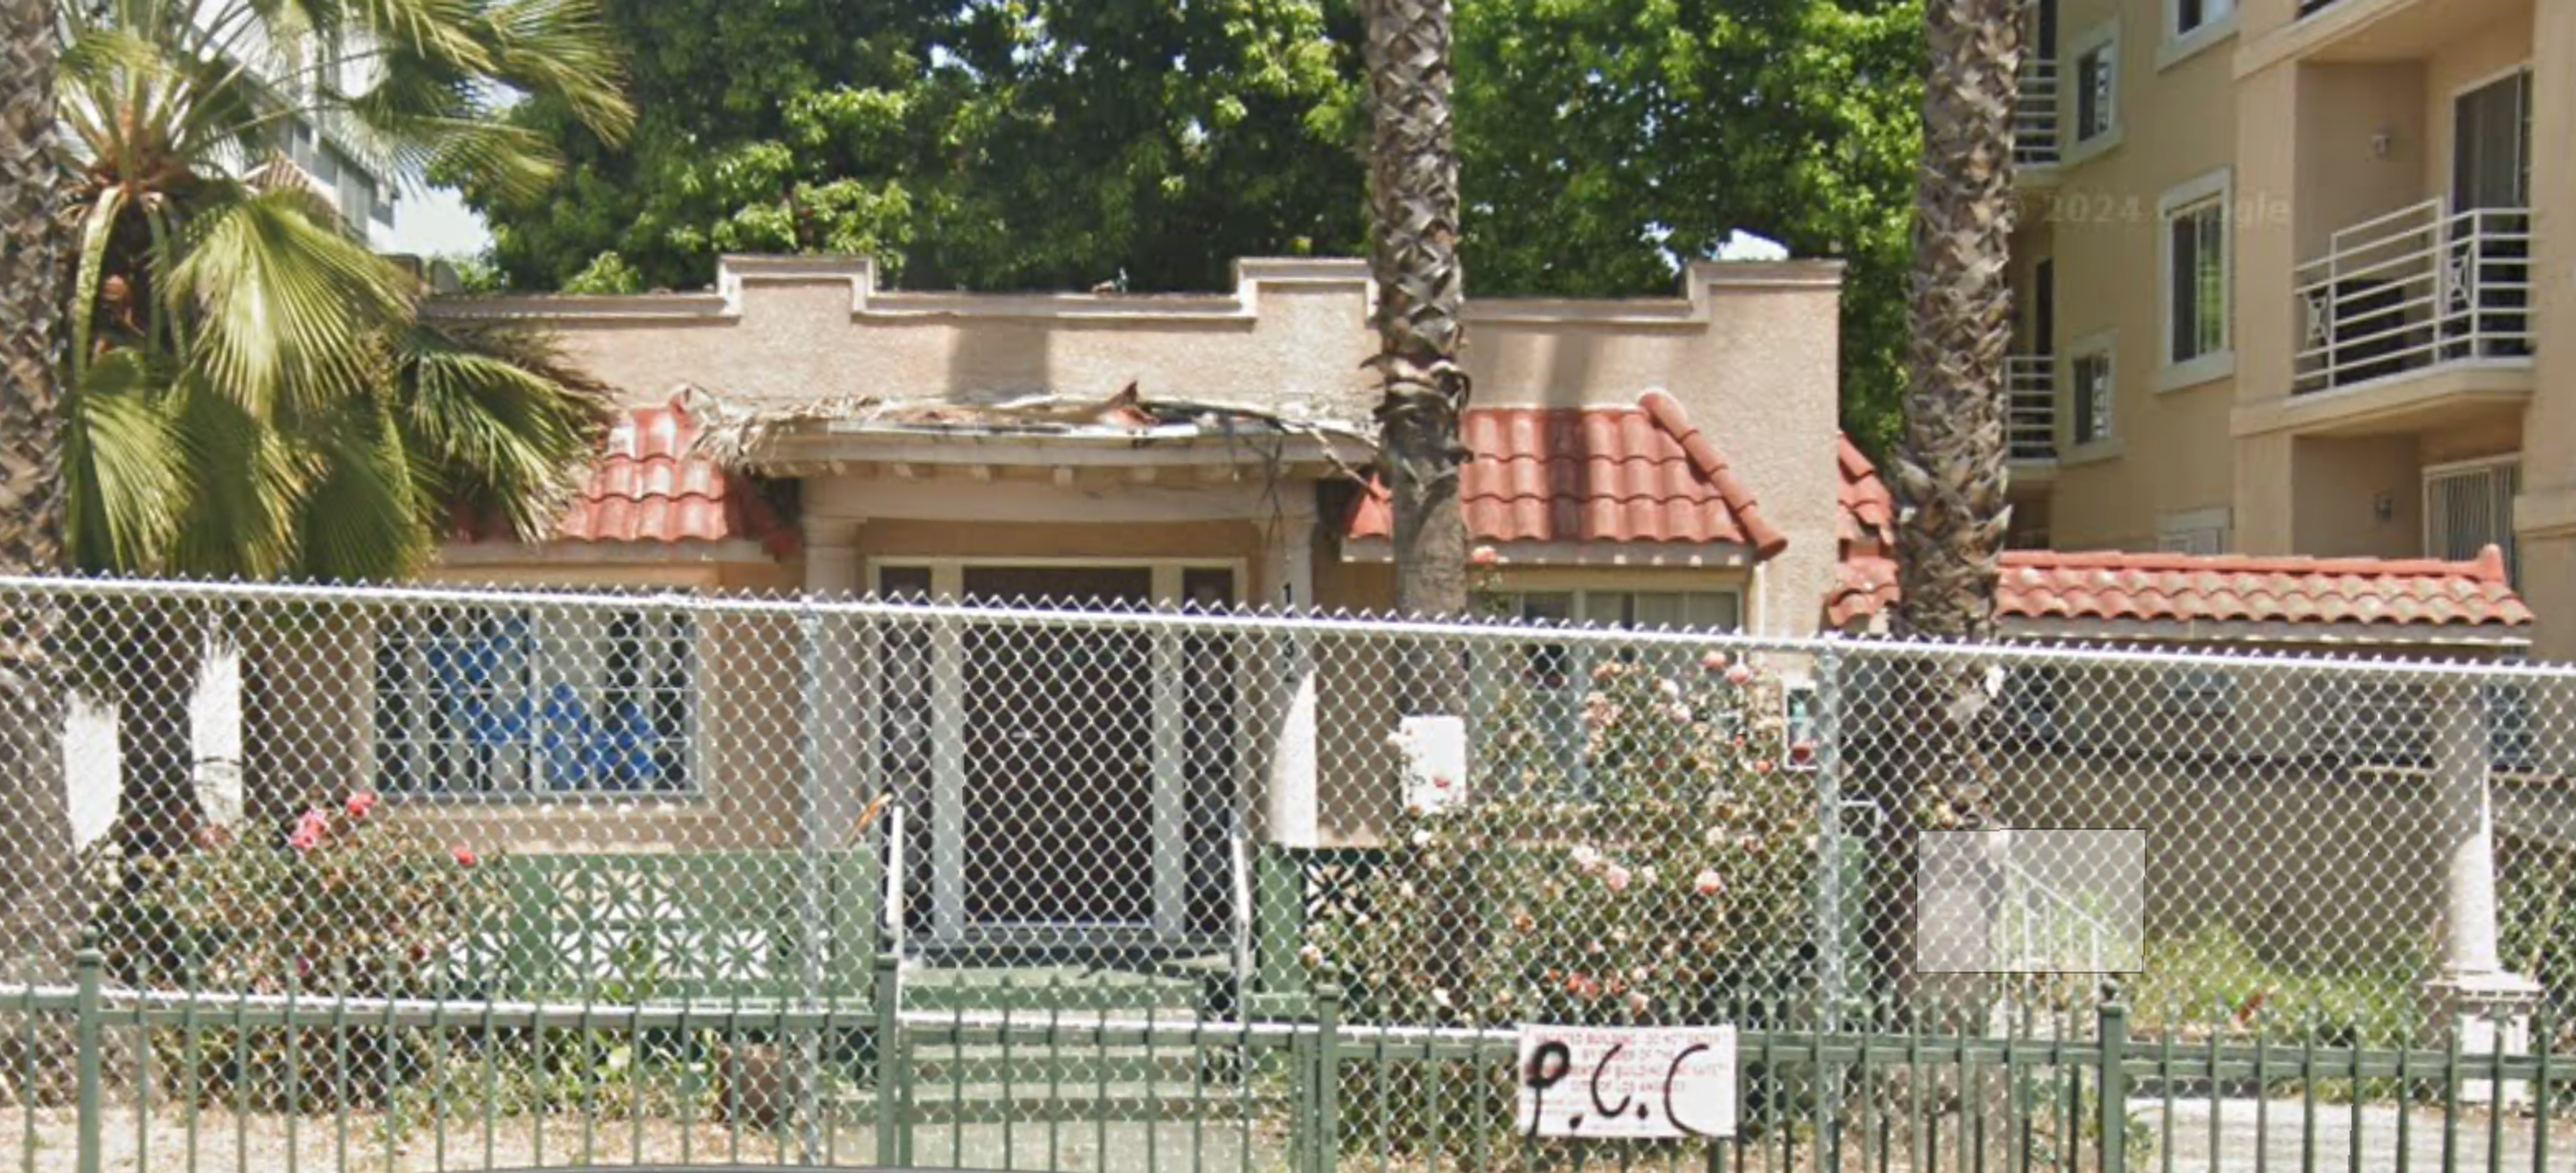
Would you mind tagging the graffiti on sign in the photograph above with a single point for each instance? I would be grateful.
(1627, 1083)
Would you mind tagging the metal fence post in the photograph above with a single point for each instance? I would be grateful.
(2112, 1121)
(87, 1033)
(1827, 730)
(1326, 1129)
(891, 1065)
(812, 884)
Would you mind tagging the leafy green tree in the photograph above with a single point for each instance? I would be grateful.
(250, 392)
(1012, 144)
(1027, 144)
(1608, 141)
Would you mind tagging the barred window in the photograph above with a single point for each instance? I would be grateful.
(521, 701)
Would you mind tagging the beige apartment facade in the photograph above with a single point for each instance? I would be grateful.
(2287, 272)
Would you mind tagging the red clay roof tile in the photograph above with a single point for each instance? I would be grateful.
(651, 485)
(2180, 588)
(1594, 474)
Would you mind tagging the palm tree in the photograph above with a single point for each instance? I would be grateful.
(251, 392)
(1950, 465)
(1413, 185)
(35, 862)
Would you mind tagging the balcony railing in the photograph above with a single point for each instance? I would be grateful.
(2419, 287)
(2035, 115)
(2030, 407)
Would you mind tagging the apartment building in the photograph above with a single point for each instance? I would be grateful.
(2285, 271)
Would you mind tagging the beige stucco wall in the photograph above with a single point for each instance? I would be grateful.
(2099, 218)
(2326, 121)
(1749, 349)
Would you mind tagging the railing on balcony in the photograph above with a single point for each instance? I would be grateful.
(2035, 115)
(2030, 407)
(2419, 287)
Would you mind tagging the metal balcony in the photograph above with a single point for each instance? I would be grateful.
(2030, 407)
(2418, 288)
(2035, 115)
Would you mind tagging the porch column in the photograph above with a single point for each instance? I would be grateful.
(1288, 805)
(2491, 1006)
(1271, 904)
(833, 670)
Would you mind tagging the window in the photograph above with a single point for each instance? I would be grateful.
(1542, 685)
(2468, 507)
(521, 701)
(2196, 279)
(2191, 16)
(2198, 531)
(2097, 89)
(2088, 382)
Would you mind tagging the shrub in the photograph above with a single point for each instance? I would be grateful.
(343, 901)
(1635, 847)
(1646, 873)
(340, 904)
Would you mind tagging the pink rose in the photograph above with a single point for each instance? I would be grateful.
(1584, 986)
(1637, 1001)
(1616, 878)
(463, 855)
(310, 827)
(1708, 882)
(1713, 661)
(1483, 556)
(1739, 675)
(1762, 766)
(360, 804)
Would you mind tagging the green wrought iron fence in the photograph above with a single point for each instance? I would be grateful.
(171, 1082)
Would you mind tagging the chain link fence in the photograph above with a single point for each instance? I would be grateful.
(425, 878)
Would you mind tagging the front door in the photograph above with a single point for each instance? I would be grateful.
(1059, 785)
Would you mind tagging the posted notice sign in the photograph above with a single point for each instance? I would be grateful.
(1627, 1083)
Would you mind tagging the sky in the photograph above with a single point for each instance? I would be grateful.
(433, 223)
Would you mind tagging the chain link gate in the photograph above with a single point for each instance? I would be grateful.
(426, 878)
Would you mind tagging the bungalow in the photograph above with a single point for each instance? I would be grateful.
(1653, 462)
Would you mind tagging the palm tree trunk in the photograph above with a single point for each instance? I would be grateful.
(37, 899)
(1414, 185)
(1950, 470)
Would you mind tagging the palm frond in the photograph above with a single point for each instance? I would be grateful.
(367, 517)
(123, 462)
(244, 482)
(286, 306)
(500, 423)
(565, 48)
(422, 126)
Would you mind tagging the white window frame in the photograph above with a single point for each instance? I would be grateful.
(533, 785)
(2105, 347)
(2215, 191)
(2105, 39)
(1169, 850)
(2181, 44)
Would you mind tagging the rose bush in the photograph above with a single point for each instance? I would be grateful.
(344, 901)
(1636, 847)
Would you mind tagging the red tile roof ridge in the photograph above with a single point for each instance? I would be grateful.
(2487, 567)
(1669, 415)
